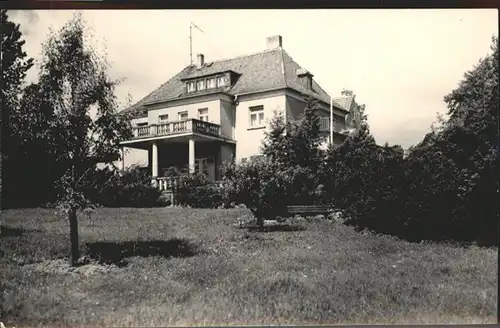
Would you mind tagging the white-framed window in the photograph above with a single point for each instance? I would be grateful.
(163, 118)
(200, 85)
(211, 83)
(203, 114)
(191, 86)
(221, 81)
(257, 116)
(183, 115)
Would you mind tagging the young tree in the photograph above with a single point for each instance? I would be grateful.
(276, 145)
(305, 137)
(294, 143)
(293, 150)
(73, 80)
(347, 93)
(259, 185)
(15, 65)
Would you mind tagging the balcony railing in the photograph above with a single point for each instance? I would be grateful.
(324, 125)
(169, 183)
(177, 127)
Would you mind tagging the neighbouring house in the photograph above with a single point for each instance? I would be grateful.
(216, 111)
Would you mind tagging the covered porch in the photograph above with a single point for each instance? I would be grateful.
(182, 151)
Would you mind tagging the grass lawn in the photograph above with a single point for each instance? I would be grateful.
(193, 267)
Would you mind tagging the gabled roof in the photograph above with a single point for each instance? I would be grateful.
(263, 71)
(345, 102)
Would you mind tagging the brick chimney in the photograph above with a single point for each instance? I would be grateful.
(273, 42)
(200, 60)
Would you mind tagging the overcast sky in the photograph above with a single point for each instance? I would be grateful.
(400, 63)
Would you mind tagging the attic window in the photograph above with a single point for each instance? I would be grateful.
(221, 81)
(201, 85)
(191, 86)
(211, 83)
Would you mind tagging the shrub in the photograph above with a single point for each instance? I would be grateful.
(362, 180)
(196, 191)
(259, 186)
(129, 188)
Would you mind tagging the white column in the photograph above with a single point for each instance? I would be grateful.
(154, 164)
(191, 155)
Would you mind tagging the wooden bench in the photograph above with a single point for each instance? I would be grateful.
(307, 210)
(310, 210)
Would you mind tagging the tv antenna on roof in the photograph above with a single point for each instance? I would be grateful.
(191, 40)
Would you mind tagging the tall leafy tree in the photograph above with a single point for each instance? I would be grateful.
(470, 138)
(15, 65)
(73, 80)
(479, 88)
(452, 175)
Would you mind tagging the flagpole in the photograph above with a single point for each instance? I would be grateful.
(331, 121)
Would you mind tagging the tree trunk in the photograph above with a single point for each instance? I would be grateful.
(73, 235)
(260, 223)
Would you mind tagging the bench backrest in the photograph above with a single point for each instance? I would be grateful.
(308, 208)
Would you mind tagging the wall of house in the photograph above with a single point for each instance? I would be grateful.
(337, 113)
(237, 127)
(214, 112)
(227, 118)
(294, 108)
(249, 140)
(227, 153)
(134, 156)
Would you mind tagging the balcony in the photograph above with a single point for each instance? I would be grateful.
(177, 127)
(338, 127)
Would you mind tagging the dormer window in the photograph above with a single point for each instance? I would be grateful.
(306, 78)
(191, 86)
(201, 85)
(221, 81)
(211, 83)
